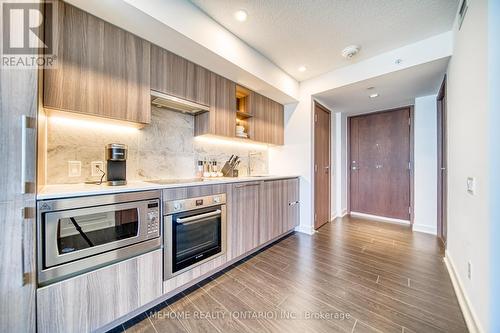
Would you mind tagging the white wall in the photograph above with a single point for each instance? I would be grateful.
(468, 156)
(334, 167)
(342, 164)
(425, 155)
(494, 99)
(296, 156)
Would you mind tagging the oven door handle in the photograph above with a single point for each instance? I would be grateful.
(198, 218)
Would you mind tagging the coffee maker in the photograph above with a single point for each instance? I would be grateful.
(116, 164)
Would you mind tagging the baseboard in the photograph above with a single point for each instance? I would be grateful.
(380, 218)
(469, 315)
(343, 213)
(305, 229)
(425, 229)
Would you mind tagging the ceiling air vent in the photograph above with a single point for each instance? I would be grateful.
(461, 13)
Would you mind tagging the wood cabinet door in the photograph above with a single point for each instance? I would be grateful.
(268, 120)
(277, 119)
(260, 119)
(273, 209)
(223, 106)
(292, 204)
(169, 73)
(174, 75)
(18, 111)
(89, 301)
(244, 218)
(102, 70)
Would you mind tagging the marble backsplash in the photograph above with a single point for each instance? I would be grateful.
(166, 148)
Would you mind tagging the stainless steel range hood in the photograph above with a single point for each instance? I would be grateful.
(176, 104)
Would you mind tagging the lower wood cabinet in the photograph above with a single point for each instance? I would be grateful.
(279, 208)
(244, 218)
(90, 301)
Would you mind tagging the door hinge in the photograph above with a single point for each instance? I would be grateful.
(315, 117)
(315, 168)
(409, 210)
(315, 217)
(409, 121)
(409, 165)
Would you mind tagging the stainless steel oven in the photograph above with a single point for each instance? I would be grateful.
(194, 232)
(79, 234)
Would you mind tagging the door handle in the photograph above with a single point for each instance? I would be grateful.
(247, 185)
(26, 123)
(198, 218)
(354, 168)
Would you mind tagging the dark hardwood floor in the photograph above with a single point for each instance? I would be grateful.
(352, 276)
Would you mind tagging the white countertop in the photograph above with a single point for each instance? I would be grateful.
(79, 190)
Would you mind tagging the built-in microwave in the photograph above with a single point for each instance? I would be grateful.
(194, 232)
(80, 234)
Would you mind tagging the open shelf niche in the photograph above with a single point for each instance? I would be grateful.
(243, 112)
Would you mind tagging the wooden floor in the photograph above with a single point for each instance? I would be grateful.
(352, 276)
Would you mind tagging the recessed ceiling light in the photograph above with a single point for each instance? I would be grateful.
(373, 95)
(302, 68)
(241, 15)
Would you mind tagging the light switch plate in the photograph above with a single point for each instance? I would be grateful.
(471, 185)
(74, 168)
(95, 166)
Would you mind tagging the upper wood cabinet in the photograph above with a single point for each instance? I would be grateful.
(101, 69)
(174, 75)
(221, 120)
(268, 120)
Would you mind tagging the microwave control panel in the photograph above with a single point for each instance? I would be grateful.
(153, 218)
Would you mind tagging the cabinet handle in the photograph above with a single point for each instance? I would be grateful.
(247, 185)
(293, 203)
(26, 123)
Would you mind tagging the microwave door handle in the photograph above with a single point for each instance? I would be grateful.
(198, 218)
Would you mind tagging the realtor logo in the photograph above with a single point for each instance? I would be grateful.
(28, 34)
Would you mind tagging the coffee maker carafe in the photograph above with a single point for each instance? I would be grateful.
(116, 164)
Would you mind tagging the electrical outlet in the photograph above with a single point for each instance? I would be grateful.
(469, 270)
(96, 167)
(471, 185)
(74, 168)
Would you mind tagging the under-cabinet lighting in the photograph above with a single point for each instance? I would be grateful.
(238, 143)
(91, 123)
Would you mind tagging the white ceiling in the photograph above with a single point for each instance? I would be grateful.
(312, 33)
(396, 89)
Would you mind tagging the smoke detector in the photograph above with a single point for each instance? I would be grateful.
(350, 51)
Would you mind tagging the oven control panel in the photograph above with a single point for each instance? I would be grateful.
(177, 206)
(153, 218)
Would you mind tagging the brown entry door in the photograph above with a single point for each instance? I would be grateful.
(380, 164)
(321, 166)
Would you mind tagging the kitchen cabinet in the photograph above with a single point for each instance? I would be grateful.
(244, 218)
(18, 111)
(101, 69)
(268, 120)
(174, 75)
(221, 120)
(279, 208)
(272, 209)
(92, 300)
(291, 204)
